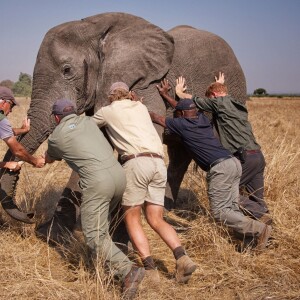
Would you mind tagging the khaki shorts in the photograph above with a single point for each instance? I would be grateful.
(146, 181)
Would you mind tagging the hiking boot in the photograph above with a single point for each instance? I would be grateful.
(132, 281)
(263, 238)
(266, 219)
(184, 269)
(152, 276)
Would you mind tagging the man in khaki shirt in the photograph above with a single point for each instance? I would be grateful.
(129, 126)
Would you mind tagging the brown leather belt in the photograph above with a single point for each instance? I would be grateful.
(125, 158)
(252, 151)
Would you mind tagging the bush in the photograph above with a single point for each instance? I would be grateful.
(23, 87)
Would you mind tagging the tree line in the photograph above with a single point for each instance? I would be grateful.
(21, 88)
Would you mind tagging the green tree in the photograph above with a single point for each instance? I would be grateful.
(7, 83)
(260, 92)
(23, 86)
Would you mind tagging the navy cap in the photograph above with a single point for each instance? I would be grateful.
(63, 107)
(185, 104)
(7, 94)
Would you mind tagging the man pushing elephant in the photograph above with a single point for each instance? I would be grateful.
(81, 144)
(130, 129)
(236, 135)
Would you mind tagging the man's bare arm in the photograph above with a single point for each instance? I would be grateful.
(18, 150)
(181, 88)
(12, 165)
(163, 89)
(24, 129)
(157, 119)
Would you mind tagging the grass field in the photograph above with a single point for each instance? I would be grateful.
(30, 269)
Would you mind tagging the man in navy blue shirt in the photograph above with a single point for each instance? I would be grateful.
(223, 169)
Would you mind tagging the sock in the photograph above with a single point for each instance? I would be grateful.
(178, 252)
(148, 263)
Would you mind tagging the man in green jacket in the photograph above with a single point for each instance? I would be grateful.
(235, 133)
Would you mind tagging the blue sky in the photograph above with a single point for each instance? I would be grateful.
(264, 34)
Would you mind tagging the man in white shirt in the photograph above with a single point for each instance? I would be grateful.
(130, 129)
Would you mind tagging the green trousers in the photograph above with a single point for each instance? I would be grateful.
(102, 190)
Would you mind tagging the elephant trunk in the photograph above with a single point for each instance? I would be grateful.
(40, 128)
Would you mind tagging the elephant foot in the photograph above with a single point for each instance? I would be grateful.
(169, 204)
(53, 232)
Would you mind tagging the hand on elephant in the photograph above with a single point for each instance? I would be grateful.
(180, 87)
(221, 78)
(24, 129)
(164, 87)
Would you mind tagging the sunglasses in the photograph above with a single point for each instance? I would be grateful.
(10, 103)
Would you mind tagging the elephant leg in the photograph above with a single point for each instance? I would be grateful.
(179, 160)
(66, 218)
(117, 229)
(66, 215)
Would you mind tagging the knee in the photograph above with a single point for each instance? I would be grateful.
(216, 214)
(154, 221)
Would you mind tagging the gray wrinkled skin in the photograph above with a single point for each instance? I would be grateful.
(81, 59)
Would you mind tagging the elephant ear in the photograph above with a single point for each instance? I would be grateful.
(131, 50)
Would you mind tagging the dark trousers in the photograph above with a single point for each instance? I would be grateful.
(252, 185)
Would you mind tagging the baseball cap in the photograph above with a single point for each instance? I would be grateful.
(118, 85)
(185, 104)
(63, 107)
(7, 94)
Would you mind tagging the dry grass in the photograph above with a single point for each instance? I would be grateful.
(30, 269)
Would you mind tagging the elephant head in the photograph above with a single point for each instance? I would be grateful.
(81, 59)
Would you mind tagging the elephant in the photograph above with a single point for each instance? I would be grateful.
(80, 59)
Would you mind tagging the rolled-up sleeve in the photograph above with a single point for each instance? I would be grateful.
(98, 117)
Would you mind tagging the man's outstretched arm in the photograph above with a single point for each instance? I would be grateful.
(181, 88)
(157, 119)
(18, 150)
(163, 89)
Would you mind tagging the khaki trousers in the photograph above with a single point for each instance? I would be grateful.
(223, 192)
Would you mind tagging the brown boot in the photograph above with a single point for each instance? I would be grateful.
(152, 276)
(184, 269)
(132, 281)
(263, 238)
(266, 219)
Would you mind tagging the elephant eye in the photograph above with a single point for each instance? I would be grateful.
(67, 71)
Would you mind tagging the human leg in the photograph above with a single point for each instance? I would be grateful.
(97, 193)
(252, 185)
(184, 265)
(132, 218)
(154, 216)
(223, 189)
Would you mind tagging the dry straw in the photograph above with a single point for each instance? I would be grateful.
(30, 269)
